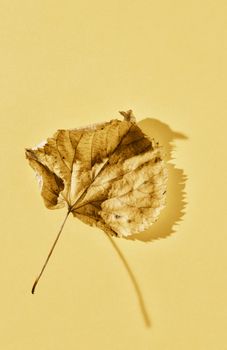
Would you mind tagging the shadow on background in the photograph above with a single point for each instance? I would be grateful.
(175, 202)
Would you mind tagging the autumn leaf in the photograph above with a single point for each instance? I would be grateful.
(108, 175)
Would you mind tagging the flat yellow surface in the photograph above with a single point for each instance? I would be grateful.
(65, 64)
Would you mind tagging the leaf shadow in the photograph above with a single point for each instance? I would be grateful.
(174, 211)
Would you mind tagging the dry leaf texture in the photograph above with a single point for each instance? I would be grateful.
(108, 175)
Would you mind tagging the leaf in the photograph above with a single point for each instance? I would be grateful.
(108, 175)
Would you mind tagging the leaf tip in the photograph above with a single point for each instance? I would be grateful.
(128, 116)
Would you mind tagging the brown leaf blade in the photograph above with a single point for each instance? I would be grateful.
(108, 175)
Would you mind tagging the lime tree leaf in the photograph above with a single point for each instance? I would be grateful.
(108, 175)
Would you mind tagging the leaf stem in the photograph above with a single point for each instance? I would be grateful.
(50, 253)
(134, 281)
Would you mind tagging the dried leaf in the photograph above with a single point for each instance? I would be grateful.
(108, 175)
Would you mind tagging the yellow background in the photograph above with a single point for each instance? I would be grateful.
(65, 64)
